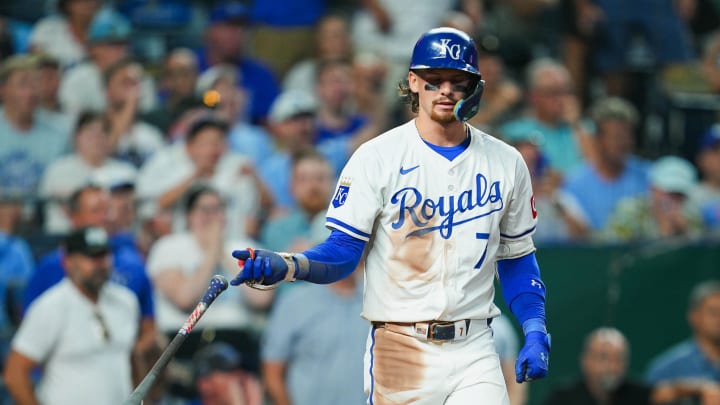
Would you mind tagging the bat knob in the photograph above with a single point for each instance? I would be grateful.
(222, 281)
(217, 285)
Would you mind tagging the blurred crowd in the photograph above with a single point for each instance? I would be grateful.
(142, 141)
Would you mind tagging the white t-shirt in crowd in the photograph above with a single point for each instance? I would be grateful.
(171, 165)
(52, 35)
(83, 364)
(181, 251)
(82, 88)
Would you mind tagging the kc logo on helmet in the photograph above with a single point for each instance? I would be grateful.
(448, 49)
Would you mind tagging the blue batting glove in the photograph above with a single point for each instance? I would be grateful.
(534, 358)
(262, 267)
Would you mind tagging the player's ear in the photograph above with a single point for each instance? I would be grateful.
(413, 82)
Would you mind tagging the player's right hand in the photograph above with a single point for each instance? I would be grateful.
(534, 358)
(262, 267)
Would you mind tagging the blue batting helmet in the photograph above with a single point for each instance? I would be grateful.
(448, 48)
(445, 48)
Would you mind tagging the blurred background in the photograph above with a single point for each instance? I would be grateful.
(189, 128)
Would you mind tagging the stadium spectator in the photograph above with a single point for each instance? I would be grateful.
(291, 123)
(554, 111)
(662, 212)
(284, 30)
(220, 87)
(90, 206)
(604, 365)
(563, 218)
(203, 157)
(153, 223)
(309, 313)
(709, 62)
(688, 371)
(502, 97)
(707, 195)
(68, 173)
(29, 144)
(293, 129)
(224, 43)
(16, 266)
(181, 265)
(312, 185)
(49, 85)
(177, 89)
(336, 115)
(341, 128)
(332, 42)
(223, 378)
(63, 35)
(634, 39)
(616, 173)
(108, 41)
(82, 332)
(131, 139)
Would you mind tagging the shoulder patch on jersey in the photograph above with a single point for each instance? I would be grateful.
(532, 206)
(341, 194)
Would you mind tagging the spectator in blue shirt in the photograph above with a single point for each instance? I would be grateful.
(616, 173)
(284, 31)
(224, 40)
(554, 113)
(690, 370)
(16, 265)
(311, 184)
(315, 333)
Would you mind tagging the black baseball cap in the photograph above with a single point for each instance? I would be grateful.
(89, 241)
(217, 356)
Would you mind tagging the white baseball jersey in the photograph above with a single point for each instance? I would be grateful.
(435, 227)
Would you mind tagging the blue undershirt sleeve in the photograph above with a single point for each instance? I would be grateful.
(333, 259)
(524, 291)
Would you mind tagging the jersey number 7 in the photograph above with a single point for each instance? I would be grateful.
(484, 236)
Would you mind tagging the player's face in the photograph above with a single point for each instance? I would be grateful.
(438, 91)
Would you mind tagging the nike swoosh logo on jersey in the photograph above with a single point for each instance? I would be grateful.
(408, 170)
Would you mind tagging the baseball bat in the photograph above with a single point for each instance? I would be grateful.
(218, 284)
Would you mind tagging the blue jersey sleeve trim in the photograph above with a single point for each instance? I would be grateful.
(333, 259)
(352, 230)
(506, 236)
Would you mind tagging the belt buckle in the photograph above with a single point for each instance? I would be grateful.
(441, 331)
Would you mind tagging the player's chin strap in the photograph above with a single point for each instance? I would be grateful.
(297, 264)
(468, 107)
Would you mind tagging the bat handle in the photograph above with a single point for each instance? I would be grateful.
(218, 284)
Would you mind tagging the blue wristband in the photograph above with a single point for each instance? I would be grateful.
(534, 325)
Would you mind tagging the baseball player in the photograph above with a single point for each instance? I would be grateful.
(439, 206)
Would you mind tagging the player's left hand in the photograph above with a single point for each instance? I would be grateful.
(534, 358)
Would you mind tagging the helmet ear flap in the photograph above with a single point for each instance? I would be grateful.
(468, 107)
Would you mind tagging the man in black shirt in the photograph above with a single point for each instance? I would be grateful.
(604, 363)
